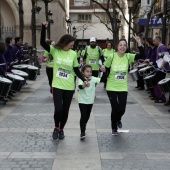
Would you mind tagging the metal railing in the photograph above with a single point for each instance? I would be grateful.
(158, 10)
(6, 31)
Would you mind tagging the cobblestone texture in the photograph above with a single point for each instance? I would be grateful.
(135, 164)
(26, 164)
(28, 122)
(133, 142)
(27, 142)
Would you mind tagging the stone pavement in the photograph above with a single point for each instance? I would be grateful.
(26, 125)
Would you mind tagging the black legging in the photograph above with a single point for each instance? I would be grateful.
(85, 110)
(95, 73)
(118, 103)
(62, 101)
(49, 71)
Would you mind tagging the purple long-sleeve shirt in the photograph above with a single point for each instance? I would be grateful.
(9, 55)
(3, 68)
(160, 49)
(152, 55)
(17, 52)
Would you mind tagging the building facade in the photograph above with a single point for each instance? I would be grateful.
(86, 21)
(160, 13)
(9, 19)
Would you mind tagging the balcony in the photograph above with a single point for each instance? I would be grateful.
(158, 10)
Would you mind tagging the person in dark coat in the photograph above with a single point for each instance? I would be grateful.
(9, 54)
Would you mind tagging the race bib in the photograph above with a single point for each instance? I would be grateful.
(120, 76)
(62, 73)
(92, 61)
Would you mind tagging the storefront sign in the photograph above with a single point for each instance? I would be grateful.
(154, 22)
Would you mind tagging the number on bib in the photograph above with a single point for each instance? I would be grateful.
(92, 61)
(62, 73)
(120, 76)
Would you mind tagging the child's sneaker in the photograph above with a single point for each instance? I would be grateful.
(82, 136)
(115, 132)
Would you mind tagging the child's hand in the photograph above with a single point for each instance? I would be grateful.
(86, 84)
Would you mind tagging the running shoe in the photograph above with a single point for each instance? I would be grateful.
(82, 136)
(61, 134)
(115, 132)
(55, 134)
(119, 124)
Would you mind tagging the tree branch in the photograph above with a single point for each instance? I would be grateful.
(110, 30)
(101, 6)
(123, 15)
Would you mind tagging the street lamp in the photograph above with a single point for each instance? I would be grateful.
(50, 21)
(68, 25)
(74, 32)
(46, 15)
(130, 6)
(84, 29)
(116, 26)
(118, 23)
(35, 10)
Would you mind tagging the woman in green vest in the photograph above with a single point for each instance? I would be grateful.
(64, 69)
(108, 50)
(117, 81)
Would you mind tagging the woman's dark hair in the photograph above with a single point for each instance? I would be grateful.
(2, 47)
(122, 39)
(64, 41)
(150, 41)
(85, 66)
(108, 42)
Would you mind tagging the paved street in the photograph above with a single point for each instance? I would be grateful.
(26, 125)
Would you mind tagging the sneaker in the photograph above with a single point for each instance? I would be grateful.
(61, 134)
(82, 136)
(119, 124)
(167, 103)
(115, 132)
(55, 134)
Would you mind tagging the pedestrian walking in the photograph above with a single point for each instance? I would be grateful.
(117, 82)
(65, 65)
(86, 96)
